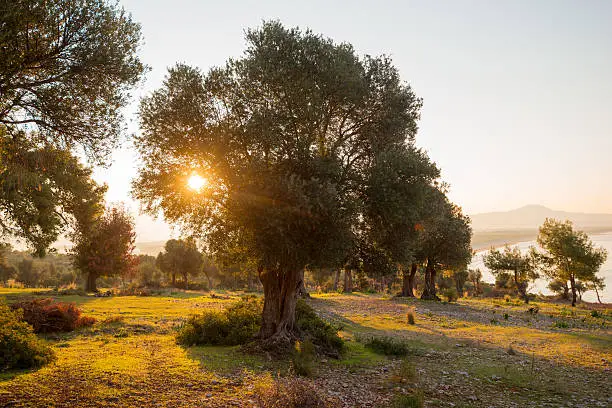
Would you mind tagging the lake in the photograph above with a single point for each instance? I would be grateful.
(602, 240)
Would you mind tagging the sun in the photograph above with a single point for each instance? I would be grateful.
(196, 182)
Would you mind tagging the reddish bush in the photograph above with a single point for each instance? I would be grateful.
(47, 316)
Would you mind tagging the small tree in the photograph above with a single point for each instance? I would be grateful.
(474, 276)
(521, 268)
(180, 257)
(107, 248)
(569, 255)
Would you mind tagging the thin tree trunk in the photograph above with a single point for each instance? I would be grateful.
(573, 286)
(565, 291)
(408, 281)
(280, 298)
(597, 293)
(521, 287)
(173, 279)
(348, 280)
(336, 279)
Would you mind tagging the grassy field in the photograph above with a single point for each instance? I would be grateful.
(474, 353)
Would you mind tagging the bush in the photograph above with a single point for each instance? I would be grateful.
(411, 316)
(19, 346)
(387, 346)
(323, 335)
(450, 294)
(594, 313)
(241, 321)
(236, 325)
(303, 358)
(47, 316)
(291, 392)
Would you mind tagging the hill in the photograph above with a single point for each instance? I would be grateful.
(532, 216)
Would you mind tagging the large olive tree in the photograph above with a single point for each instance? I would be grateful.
(285, 135)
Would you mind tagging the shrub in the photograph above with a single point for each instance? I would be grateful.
(506, 316)
(19, 346)
(241, 321)
(414, 400)
(236, 325)
(411, 316)
(291, 392)
(323, 335)
(533, 310)
(387, 346)
(47, 316)
(450, 294)
(594, 313)
(303, 358)
(561, 324)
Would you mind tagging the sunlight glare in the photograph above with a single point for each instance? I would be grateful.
(196, 182)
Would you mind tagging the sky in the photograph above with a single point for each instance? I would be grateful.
(517, 94)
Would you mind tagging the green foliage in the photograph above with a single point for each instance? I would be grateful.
(388, 346)
(322, 334)
(180, 257)
(570, 255)
(46, 315)
(302, 358)
(450, 294)
(414, 400)
(65, 70)
(512, 264)
(19, 346)
(105, 248)
(238, 324)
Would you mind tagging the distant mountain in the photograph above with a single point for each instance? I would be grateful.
(532, 216)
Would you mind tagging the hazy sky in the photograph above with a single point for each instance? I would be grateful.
(517, 94)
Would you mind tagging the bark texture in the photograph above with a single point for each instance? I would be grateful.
(90, 284)
(280, 297)
(408, 281)
(348, 280)
(429, 290)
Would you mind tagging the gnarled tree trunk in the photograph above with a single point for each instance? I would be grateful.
(429, 291)
(90, 283)
(280, 297)
(408, 281)
(336, 279)
(348, 280)
(301, 288)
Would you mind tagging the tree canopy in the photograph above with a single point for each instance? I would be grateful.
(66, 67)
(521, 267)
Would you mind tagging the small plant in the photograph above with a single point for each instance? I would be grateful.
(410, 316)
(595, 313)
(507, 298)
(494, 321)
(19, 346)
(450, 294)
(414, 400)
(302, 359)
(561, 324)
(47, 316)
(533, 310)
(506, 316)
(387, 346)
(290, 392)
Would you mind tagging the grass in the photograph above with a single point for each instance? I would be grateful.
(130, 356)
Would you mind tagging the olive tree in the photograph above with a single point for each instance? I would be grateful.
(511, 261)
(285, 136)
